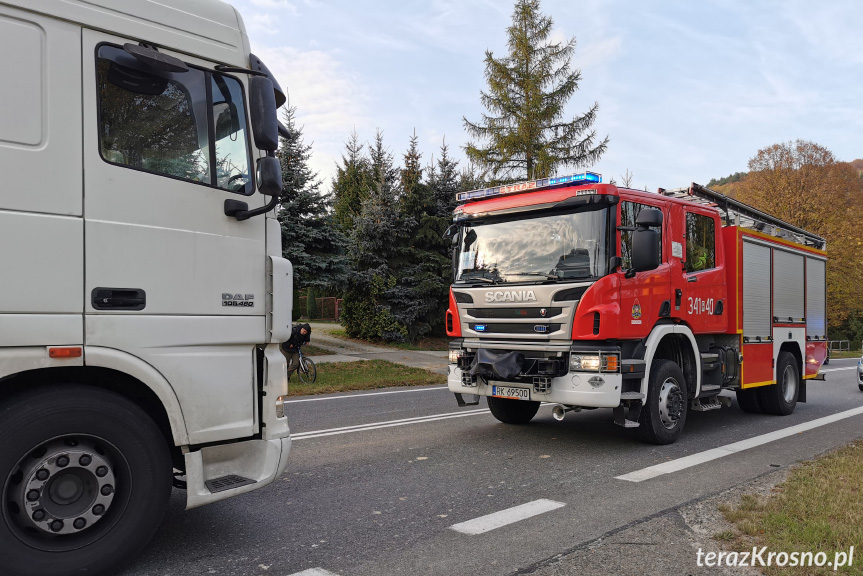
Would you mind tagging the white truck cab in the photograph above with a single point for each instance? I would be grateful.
(143, 293)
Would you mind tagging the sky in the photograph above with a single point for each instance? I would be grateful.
(687, 90)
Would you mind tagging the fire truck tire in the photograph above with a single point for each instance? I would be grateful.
(512, 411)
(781, 398)
(664, 414)
(85, 477)
(748, 401)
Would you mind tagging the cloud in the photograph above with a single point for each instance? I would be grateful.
(330, 99)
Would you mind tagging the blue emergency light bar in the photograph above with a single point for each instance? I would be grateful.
(530, 186)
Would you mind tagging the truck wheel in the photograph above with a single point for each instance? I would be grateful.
(512, 411)
(781, 398)
(748, 401)
(664, 413)
(85, 477)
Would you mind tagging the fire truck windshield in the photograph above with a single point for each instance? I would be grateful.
(560, 247)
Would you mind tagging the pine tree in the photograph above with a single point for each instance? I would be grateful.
(350, 187)
(527, 92)
(310, 240)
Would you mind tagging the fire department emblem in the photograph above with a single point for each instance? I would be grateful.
(542, 312)
(636, 310)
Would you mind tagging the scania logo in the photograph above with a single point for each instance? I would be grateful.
(510, 296)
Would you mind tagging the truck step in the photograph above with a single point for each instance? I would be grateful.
(714, 403)
(228, 482)
(630, 424)
(631, 396)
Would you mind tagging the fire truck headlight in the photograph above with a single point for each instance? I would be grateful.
(586, 362)
(453, 356)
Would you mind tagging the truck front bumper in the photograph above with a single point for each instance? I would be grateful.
(573, 389)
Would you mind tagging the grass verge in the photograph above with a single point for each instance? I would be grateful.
(819, 508)
(363, 375)
(312, 351)
(845, 354)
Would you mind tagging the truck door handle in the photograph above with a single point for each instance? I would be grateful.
(118, 299)
(692, 278)
(678, 296)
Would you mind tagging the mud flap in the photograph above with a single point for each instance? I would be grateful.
(471, 400)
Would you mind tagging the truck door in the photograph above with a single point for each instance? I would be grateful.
(169, 278)
(642, 296)
(704, 293)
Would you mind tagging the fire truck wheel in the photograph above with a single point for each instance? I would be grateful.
(781, 398)
(664, 413)
(512, 411)
(748, 401)
(85, 477)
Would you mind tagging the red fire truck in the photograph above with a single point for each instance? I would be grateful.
(587, 295)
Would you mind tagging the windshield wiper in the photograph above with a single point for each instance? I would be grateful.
(543, 274)
(466, 279)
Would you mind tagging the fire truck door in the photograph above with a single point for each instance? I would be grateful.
(703, 292)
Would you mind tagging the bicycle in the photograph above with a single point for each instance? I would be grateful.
(306, 371)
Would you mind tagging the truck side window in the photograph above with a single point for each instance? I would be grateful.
(700, 242)
(628, 213)
(159, 121)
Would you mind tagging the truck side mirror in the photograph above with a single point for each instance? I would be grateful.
(262, 107)
(645, 242)
(269, 176)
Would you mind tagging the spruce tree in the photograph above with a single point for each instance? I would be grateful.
(350, 187)
(310, 240)
(527, 93)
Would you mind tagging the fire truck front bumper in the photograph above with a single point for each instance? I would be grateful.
(585, 389)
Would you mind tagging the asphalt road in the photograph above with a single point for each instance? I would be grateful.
(377, 481)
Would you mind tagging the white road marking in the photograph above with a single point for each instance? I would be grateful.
(386, 424)
(490, 522)
(838, 369)
(728, 449)
(391, 423)
(364, 395)
(314, 572)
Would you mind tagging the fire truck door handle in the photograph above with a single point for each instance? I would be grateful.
(678, 296)
(692, 278)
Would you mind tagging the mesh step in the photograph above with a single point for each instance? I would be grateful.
(227, 483)
(632, 396)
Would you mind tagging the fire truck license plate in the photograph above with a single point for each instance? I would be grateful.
(510, 392)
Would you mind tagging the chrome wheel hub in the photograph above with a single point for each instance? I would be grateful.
(66, 486)
(670, 403)
(789, 384)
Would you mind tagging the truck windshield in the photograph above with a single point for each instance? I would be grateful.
(560, 247)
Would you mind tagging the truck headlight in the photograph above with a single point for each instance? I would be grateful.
(594, 362)
(280, 406)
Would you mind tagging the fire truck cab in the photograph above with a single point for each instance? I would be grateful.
(586, 295)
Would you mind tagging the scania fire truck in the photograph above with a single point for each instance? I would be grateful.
(588, 295)
(143, 292)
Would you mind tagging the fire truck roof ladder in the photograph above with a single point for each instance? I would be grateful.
(736, 213)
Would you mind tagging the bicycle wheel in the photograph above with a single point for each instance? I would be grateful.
(307, 371)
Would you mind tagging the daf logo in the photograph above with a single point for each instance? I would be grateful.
(244, 300)
(541, 328)
(510, 296)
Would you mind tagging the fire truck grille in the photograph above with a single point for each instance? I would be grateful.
(513, 312)
(507, 328)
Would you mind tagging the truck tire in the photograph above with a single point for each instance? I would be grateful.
(512, 411)
(748, 401)
(664, 414)
(86, 479)
(781, 398)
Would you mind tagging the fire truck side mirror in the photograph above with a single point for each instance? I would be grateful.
(648, 218)
(645, 242)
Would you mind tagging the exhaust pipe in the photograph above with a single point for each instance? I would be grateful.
(558, 411)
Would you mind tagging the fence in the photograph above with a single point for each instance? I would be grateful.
(328, 308)
(839, 345)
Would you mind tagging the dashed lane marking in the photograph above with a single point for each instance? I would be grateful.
(314, 572)
(728, 449)
(494, 521)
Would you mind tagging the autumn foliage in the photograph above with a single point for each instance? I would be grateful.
(803, 184)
